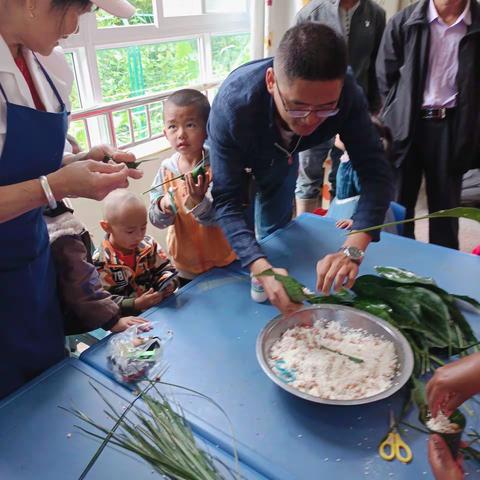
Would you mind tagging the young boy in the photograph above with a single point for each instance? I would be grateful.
(184, 205)
(132, 266)
(86, 305)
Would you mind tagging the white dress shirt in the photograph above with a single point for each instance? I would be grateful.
(16, 87)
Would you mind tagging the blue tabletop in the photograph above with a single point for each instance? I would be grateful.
(38, 440)
(215, 327)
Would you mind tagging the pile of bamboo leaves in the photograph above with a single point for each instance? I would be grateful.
(158, 434)
(427, 315)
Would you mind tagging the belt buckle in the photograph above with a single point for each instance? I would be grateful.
(435, 113)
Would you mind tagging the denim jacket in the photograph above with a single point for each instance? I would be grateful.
(243, 135)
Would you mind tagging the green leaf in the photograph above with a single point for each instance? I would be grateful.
(375, 307)
(434, 311)
(344, 297)
(469, 300)
(294, 289)
(419, 397)
(401, 275)
(459, 212)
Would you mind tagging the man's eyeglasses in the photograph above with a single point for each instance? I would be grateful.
(306, 112)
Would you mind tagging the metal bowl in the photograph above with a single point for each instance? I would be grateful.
(347, 317)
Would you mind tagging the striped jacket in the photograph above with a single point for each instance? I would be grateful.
(152, 267)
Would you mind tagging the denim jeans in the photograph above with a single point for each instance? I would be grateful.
(275, 209)
(310, 172)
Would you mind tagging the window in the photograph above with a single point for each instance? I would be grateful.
(175, 8)
(221, 6)
(229, 52)
(139, 70)
(168, 44)
(75, 96)
(143, 16)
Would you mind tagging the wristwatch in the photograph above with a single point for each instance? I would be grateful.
(353, 253)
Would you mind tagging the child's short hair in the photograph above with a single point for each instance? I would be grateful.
(188, 97)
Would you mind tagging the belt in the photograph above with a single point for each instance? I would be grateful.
(435, 113)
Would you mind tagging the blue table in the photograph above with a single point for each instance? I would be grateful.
(38, 440)
(213, 351)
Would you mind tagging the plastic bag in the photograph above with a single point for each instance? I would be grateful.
(136, 354)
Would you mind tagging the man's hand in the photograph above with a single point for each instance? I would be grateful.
(127, 322)
(454, 383)
(444, 466)
(275, 292)
(148, 299)
(337, 270)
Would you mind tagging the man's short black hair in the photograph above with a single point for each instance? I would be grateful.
(311, 51)
(188, 97)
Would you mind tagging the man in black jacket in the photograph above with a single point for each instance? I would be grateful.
(362, 23)
(428, 70)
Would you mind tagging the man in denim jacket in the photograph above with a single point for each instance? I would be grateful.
(270, 109)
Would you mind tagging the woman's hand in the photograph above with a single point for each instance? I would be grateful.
(99, 152)
(444, 466)
(127, 322)
(454, 383)
(90, 179)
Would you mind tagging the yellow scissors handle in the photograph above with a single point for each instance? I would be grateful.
(386, 448)
(394, 447)
(403, 453)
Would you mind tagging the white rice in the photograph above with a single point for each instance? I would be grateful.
(298, 359)
(442, 424)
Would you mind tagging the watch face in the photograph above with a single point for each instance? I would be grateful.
(354, 253)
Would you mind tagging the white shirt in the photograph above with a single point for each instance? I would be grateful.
(16, 87)
(441, 88)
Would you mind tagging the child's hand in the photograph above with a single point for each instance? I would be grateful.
(127, 322)
(345, 223)
(165, 205)
(168, 290)
(148, 299)
(197, 191)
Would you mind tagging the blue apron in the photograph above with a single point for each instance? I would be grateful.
(31, 335)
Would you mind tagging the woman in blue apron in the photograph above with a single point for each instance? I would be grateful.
(32, 336)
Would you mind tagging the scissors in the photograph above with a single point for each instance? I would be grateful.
(393, 446)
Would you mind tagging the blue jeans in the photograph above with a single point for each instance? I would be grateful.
(310, 171)
(274, 210)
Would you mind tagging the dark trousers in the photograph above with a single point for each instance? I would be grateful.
(430, 155)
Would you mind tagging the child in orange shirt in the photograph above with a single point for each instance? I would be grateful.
(184, 205)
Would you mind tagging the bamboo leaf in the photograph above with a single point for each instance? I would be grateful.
(459, 212)
(294, 289)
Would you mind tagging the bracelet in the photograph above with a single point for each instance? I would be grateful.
(52, 203)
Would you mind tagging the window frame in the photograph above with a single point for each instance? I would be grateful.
(84, 45)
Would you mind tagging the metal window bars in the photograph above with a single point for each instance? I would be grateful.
(104, 122)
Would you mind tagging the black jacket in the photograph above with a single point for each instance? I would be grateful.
(401, 71)
(368, 24)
